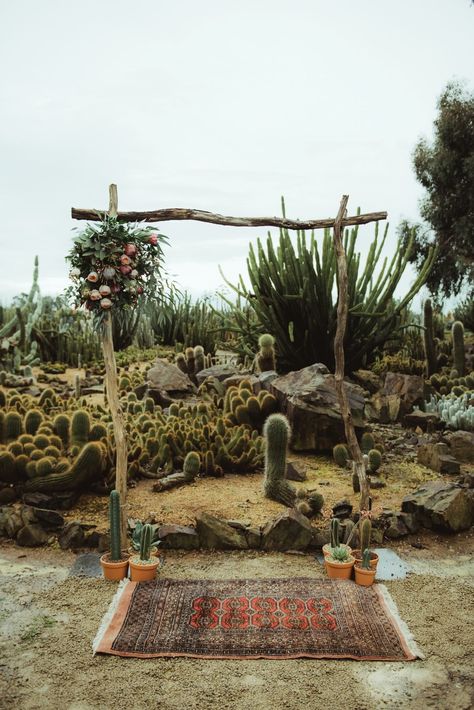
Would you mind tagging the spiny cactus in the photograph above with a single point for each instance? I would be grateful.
(266, 354)
(80, 428)
(365, 533)
(114, 518)
(145, 542)
(13, 426)
(375, 460)
(33, 420)
(367, 442)
(87, 466)
(335, 531)
(366, 559)
(192, 464)
(428, 338)
(341, 455)
(458, 347)
(276, 487)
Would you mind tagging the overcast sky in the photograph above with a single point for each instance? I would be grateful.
(215, 105)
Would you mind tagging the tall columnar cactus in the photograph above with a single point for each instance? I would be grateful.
(266, 354)
(374, 460)
(366, 559)
(367, 442)
(199, 359)
(114, 517)
(428, 338)
(191, 466)
(335, 532)
(145, 542)
(13, 426)
(276, 432)
(365, 534)
(33, 420)
(80, 428)
(458, 347)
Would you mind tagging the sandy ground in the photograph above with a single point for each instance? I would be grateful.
(48, 621)
(239, 497)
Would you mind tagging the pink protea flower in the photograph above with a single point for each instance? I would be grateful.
(106, 303)
(93, 277)
(153, 239)
(125, 270)
(75, 272)
(130, 250)
(95, 295)
(108, 273)
(125, 260)
(104, 290)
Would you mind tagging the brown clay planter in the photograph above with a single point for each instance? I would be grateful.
(374, 558)
(114, 571)
(327, 549)
(364, 577)
(339, 570)
(140, 572)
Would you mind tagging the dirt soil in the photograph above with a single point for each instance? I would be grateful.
(239, 497)
(48, 621)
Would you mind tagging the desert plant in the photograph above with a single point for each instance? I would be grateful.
(340, 554)
(292, 287)
(276, 487)
(365, 533)
(114, 518)
(341, 455)
(366, 559)
(335, 533)
(374, 460)
(458, 347)
(429, 341)
(266, 353)
(146, 542)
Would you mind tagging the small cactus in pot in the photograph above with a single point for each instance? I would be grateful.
(364, 571)
(334, 543)
(143, 566)
(365, 534)
(339, 563)
(115, 563)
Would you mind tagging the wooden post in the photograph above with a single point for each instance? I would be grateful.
(113, 398)
(342, 310)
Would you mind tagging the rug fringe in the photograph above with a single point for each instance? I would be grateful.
(402, 625)
(108, 616)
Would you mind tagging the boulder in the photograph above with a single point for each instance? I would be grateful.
(290, 531)
(178, 537)
(49, 519)
(399, 394)
(368, 380)
(461, 444)
(295, 472)
(31, 535)
(216, 534)
(72, 537)
(166, 380)
(342, 509)
(308, 398)
(52, 501)
(12, 523)
(426, 421)
(437, 457)
(440, 505)
(220, 372)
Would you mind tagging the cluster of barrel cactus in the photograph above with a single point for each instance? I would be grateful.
(193, 360)
(454, 384)
(241, 406)
(457, 412)
(398, 363)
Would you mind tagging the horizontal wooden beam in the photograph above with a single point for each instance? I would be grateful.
(181, 213)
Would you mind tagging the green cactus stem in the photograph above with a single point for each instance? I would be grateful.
(459, 356)
(114, 517)
(275, 486)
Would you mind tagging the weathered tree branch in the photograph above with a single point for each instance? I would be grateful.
(342, 310)
(181, 213)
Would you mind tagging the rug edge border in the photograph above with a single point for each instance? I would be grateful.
(109, 615)
(406, 636)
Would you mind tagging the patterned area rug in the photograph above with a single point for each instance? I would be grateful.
(266, 618)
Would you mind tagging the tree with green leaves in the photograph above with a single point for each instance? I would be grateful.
(445, 168)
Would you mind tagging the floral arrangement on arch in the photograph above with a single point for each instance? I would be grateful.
(115, 265)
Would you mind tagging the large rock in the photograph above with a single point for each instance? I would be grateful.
(427, 421)
(166, 382)
(397, 398)
(178, 537)
(72, 537)
(368, 380)
(31, 535)
(437, 457)
(216, 534)
(440, 505)
(220, 372)
(290, 531)
(461, 444)
(309, 400)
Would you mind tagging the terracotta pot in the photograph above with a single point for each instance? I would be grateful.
(140, 572)
(339, 570)
(114, 571)
(327, 549)
(374, 558)
(364, 577)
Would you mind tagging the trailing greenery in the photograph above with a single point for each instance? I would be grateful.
(292, 292)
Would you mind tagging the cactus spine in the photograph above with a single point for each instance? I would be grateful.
(365, 534)
(266, 354)
(276, 487)
(114, 516)
(366, 559)
(335, 532)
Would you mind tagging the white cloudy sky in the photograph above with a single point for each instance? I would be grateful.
(215, 105)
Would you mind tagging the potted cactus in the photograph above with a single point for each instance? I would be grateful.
(339, 563)
(364, 572)
(114, 563)
(335, 539)
(144, 565)
(365, 534)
